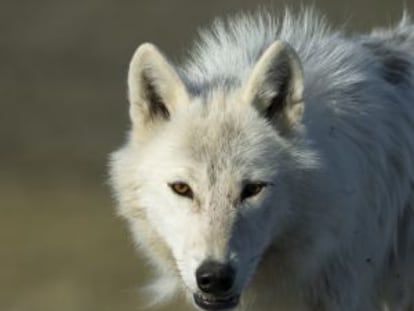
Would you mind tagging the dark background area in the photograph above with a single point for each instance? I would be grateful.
(63, 67)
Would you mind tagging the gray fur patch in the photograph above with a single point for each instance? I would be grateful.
(396, 67)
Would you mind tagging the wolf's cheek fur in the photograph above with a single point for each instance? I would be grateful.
(174, 223)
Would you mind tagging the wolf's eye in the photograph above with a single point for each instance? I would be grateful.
(252, 189)
(182, 189)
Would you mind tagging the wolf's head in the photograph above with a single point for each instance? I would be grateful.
(206, 179)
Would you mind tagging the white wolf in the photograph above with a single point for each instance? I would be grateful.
(275, 169)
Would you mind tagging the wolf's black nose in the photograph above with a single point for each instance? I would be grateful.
(215, 278)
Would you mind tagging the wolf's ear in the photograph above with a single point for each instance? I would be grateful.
(154, 88)
(275, 86)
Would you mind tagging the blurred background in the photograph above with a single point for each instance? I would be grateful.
(63, 66)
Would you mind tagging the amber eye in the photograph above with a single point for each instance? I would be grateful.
(182, 189)
(252, 189)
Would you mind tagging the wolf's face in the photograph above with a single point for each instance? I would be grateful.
(207, 184)
(205, 192)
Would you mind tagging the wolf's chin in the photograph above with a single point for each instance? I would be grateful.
(216, 303)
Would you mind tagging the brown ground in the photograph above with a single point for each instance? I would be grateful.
(62, 98)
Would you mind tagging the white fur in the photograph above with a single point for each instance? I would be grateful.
(334, 230)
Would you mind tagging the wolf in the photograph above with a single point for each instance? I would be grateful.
(274, 168)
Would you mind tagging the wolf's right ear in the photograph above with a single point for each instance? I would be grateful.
(154, 88)
(275, 86)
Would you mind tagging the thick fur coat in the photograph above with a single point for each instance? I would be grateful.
(280, 148)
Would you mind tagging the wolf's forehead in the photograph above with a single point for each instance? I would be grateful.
(215, 138)
(226, 141)
(220, 148)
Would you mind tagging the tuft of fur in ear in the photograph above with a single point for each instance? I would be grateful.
(154, 88)
(275, 87)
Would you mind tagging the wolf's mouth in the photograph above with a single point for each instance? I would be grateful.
(216, 303)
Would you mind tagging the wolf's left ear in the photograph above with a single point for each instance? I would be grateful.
(154, 88)
(275, 86)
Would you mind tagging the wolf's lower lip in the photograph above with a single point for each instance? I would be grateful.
(216, 303)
